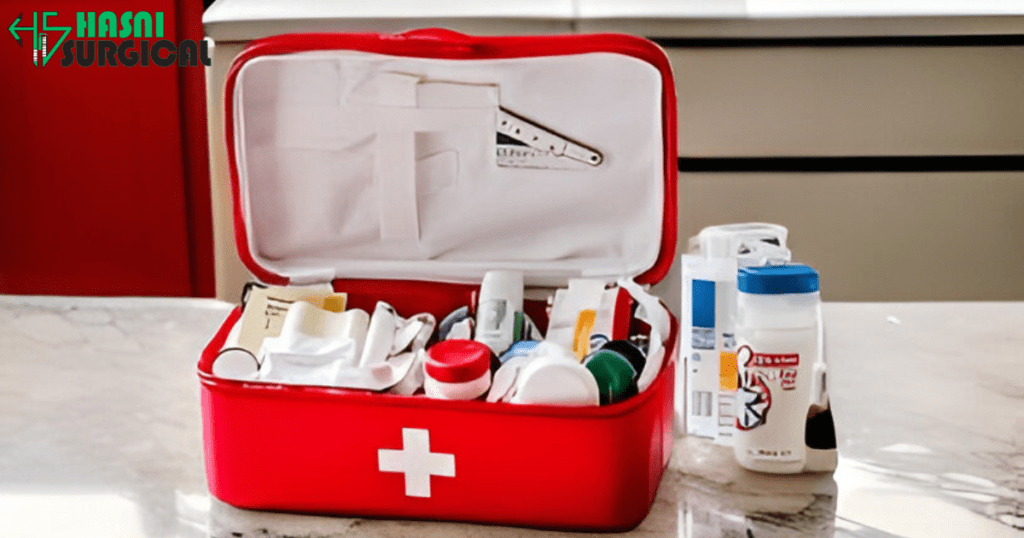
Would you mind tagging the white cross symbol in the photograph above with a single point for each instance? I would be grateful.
(416, 461)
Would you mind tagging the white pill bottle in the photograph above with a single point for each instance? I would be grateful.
(778, 330)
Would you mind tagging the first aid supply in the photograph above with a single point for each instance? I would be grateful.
(709, 310)
(325, 348)
(650, 310)
(642, 342)
(533, 372)
(305, 319)
(581, 336)
(318, 347)
(234, 361)
(380, 335)
(636, 356)
(585, 309)
(752, 243)
(506, 376)
(519, 349)
(820, 435)
(307, 360)
(334, 303)
(526, 329)
(555, 377)
(458, 370)
(501, 297)
(536, 146)
(512, 362)
(266, 306)
(456, 325)
(313, 346)
(411, 337)
(779, 340)
(517, 370)
(615, 376)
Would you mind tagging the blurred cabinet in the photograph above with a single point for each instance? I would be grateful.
(104, 184)
(860, 149)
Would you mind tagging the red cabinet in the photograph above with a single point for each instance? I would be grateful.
(104, 180)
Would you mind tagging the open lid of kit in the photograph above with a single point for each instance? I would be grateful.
(436, 156)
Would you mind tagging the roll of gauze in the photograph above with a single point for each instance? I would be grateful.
(306, 319)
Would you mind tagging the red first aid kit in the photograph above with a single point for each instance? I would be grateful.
(401, 168)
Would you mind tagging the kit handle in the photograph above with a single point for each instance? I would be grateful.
(450, 37)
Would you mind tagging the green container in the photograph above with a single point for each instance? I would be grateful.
(616, 378)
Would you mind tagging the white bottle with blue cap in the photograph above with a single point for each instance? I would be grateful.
(779, 342)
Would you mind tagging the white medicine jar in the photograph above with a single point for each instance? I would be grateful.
(778, 334)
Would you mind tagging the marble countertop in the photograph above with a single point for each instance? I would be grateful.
(100, 433)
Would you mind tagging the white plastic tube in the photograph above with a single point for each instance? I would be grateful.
(501, 296)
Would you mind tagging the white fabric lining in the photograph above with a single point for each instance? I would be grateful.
(308, 138)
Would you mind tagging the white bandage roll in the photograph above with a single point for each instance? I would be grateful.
(380, 335)
(308, 320)
(233, 361)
